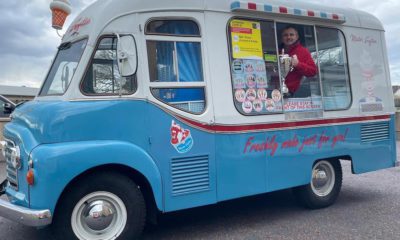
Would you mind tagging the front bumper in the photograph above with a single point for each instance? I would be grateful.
(26, 216)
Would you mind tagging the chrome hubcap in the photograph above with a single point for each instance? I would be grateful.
(99, 215)
(323, 178)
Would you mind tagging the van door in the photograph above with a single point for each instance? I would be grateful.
(180, 110)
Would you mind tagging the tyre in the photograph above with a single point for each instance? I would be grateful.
(325, 185)
(102, 206)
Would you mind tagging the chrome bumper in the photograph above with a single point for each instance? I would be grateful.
(26, 216)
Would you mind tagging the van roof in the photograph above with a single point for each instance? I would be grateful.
(103, 11)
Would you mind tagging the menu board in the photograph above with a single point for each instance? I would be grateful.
(250, 85)
(246, 39)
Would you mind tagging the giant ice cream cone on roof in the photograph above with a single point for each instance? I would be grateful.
(60, 10)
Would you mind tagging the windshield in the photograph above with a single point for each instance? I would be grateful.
(63, 68)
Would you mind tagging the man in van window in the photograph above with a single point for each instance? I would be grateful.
(302, 62)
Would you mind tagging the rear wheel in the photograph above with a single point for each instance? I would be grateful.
(102, 206)
(325, 185)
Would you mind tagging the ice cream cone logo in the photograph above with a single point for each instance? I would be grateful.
(181, 138)
(60, 9)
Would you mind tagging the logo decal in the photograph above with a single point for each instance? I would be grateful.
(181, 138)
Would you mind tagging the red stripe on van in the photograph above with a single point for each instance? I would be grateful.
(310, 13)
(335, 16)
(279, 125)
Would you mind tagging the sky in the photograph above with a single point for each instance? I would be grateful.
(28, 43)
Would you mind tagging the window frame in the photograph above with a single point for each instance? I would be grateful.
(90, 63)
(275, 22)
(346, 67)
(176, 38)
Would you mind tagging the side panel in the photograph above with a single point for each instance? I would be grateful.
(288, 155)
(188, 168)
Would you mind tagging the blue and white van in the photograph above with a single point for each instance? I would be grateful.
(157, 106)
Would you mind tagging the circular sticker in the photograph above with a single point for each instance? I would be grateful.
(251, 80)
(251, 94)
(237, 66)
(262, 94)
(261, 81)
(257, 105)
(247, 106)
(276, 95)
(248, 67)
(240, 95)
(269, 105)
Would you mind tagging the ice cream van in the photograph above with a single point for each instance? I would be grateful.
(156, 106)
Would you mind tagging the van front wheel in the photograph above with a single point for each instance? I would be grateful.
(103, 206)
(325, 185)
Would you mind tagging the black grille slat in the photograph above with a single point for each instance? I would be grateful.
(190, 174)
(375, 132)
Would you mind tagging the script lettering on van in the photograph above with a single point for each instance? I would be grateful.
(78, 25)
(272, 145)
(366, 40)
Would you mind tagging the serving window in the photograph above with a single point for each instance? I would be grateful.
(275, 68)
(175, 64)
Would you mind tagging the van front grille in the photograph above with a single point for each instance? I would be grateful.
(12, 173)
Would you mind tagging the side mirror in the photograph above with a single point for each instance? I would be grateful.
(126, 55)
(8, 108)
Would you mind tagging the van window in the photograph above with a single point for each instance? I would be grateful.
(175, 64)
(63, 68)
(102, 76)
(173, 27)
(333, 68)
(186, 99)
(276, 68)
(174, 61)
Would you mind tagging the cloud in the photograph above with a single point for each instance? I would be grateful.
(28, 41)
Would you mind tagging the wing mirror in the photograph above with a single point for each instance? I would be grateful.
(126, 55)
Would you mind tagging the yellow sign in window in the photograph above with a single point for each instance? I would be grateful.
(246, 40)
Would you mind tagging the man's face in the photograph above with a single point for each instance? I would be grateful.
(289, 36)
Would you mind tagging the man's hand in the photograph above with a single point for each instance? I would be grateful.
(295, 60)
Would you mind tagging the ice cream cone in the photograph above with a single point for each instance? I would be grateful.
(60, 10)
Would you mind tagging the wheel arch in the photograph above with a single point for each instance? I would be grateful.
(124, 170)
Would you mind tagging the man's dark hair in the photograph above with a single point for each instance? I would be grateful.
(290, 26)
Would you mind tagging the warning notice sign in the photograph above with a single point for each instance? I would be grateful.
(246, 40)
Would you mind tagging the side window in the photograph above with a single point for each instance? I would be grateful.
(282, 68)
(302, 98)
(102, 76)
(333, 68)
(175, 64)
